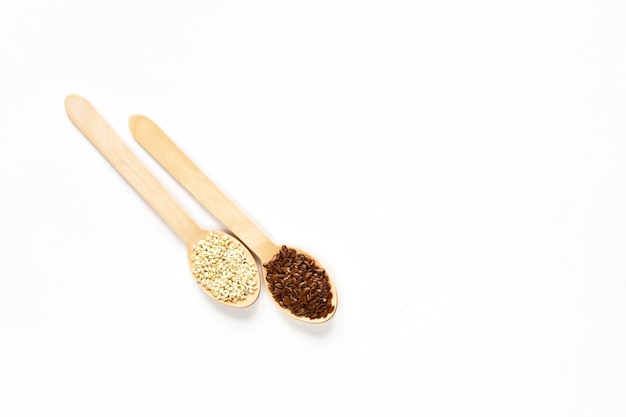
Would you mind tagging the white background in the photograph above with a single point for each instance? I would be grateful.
(458, 166)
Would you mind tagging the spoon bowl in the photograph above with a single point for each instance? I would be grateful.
(214, 253)
(238, 281)
(291, 287)
(300, 285)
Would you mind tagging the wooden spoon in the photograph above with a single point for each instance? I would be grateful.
(166, 153)
(111, 146)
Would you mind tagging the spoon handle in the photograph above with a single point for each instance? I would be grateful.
(111, 146)
(185, 171)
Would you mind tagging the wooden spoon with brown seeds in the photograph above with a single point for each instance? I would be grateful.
(226, 255)
(294, 278)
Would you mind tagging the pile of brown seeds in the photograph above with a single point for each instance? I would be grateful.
(298, 284)
(220, 265)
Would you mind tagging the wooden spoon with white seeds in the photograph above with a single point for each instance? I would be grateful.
(295, 279)
(223, 266)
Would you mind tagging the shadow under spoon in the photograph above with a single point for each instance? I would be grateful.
(209, 252)
(299, 285)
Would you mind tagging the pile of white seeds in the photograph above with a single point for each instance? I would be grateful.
(220, 265)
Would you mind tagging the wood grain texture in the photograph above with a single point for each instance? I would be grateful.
(186, 172)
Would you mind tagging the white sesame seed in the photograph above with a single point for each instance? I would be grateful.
(220, 266)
